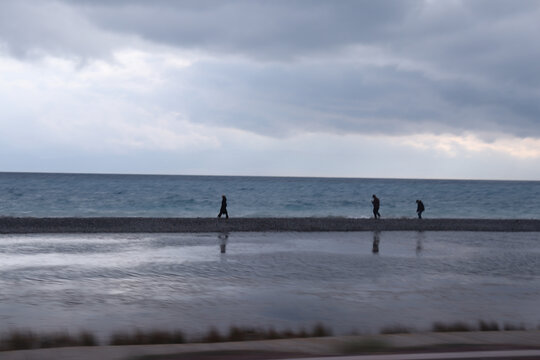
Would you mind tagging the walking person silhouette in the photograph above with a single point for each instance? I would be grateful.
(376, 204)
(420, 208)
(223, 210)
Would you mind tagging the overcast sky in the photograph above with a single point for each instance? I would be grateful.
(405, 88)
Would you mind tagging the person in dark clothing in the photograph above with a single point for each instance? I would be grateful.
(419, 208)
(223, 210)
(376, 203)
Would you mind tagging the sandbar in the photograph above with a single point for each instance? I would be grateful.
(32, 225)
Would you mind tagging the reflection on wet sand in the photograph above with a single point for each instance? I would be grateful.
(376, 240)
(223, 238)
(420, 236)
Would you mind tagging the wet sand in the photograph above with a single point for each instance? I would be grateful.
(13, 225)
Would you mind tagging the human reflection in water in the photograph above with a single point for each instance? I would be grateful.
(223, 238)
(376, 239)
(420, 236)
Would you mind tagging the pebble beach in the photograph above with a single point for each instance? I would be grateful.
(30, 225)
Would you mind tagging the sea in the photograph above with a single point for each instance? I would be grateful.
(352, 282)
(96, 195)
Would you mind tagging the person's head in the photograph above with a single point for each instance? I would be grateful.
(223, 196)
(373, 196)
(417, 201)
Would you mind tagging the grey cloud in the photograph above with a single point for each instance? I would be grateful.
(283, 100)
(468, 36)
(485, 48)
(493, 39)
(32, 29)
(280, 29)
(489, 39)
(501, 8)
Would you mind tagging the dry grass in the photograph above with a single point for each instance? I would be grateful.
(481, 326)
(513, 327)
(25, 339)
(246, 333)
(396, 329)
(456, 326)
(152, 337)
(488, 326)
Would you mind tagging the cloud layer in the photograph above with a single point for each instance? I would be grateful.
(433, 79)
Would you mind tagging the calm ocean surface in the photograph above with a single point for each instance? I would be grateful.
(286, 280)
(59, 195)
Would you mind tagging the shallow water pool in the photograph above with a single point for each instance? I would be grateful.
(359, 281)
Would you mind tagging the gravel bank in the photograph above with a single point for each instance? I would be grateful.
(12, 225)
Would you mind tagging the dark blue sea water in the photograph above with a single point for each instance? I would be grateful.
(59, 195)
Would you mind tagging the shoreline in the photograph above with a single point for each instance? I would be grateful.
(34, 225)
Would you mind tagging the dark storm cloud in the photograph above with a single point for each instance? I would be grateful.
(278, 29)
(494, 39)
(280, 100)
(474, 63)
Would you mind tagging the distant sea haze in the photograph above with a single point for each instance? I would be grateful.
(89, 195)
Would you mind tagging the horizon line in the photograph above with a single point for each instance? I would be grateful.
(263, 176)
